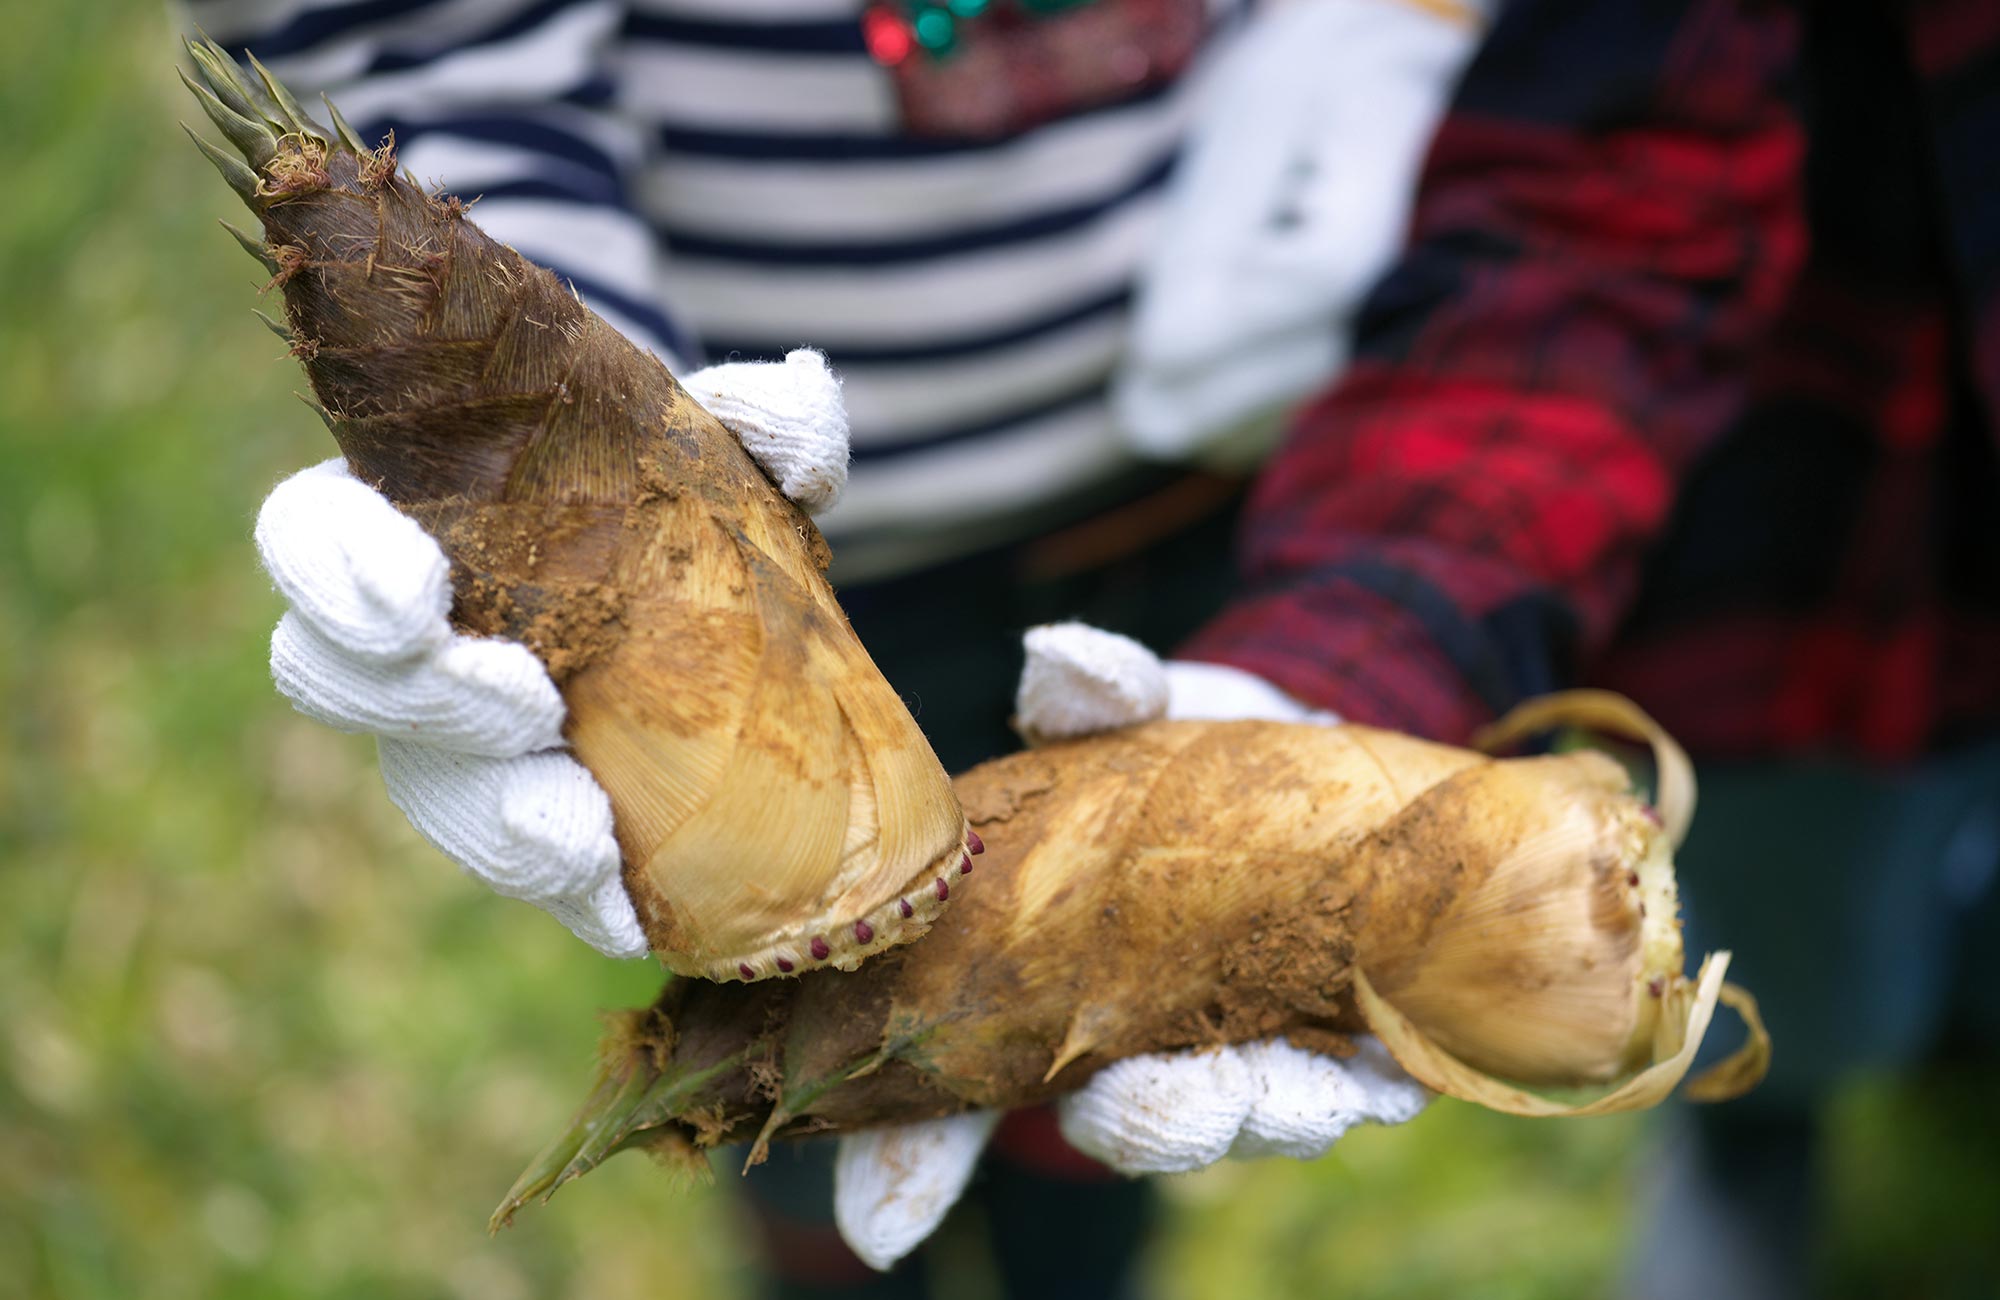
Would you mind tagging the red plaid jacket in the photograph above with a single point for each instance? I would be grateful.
(1687, 386)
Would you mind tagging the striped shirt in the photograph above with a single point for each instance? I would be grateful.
(729, 179)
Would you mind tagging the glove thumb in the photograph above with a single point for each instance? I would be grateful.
(789, 417)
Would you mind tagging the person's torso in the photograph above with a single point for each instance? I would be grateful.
(967, 270)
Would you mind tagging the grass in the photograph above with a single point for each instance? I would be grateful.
(257, 1040)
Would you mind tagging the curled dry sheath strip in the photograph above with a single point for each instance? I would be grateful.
(776, 807)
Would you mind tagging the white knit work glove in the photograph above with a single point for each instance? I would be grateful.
(1288, 201)
(469, 728)
(1169, 1112)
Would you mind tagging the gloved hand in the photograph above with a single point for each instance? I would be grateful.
(470, 729)
(1168, 1112)
(1289, 200)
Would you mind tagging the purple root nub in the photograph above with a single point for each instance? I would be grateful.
(820, 951)
(863, 932)
(943, 890)
(784, 966)
(973, 842)
(1656, 986)
(743, 969)
(965, 864)
(903, 906)
(1652, 814)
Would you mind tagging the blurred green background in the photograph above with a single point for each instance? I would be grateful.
(256, 1039)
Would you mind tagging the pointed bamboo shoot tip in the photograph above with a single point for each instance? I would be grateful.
(251, 245)
(760, 1149)
(295, 115)
(240, 178)
(225, 76)
(252, 139)
(1076, 1041)
(326, 416)
(212, 66)
(272, 325)
(349, 138)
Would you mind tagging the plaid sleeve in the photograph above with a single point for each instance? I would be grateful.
(1607, 223)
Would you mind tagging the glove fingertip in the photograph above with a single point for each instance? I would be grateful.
(554, 834)
(536, 828)
(363, 573)
(1197, 689)
(893, 1186)
(302, 665)
(1077, 679)
(1390, 1094)
(815, 488)
(604, 919)
(1170, 1113)
(813, 364)
(397, 564)
(1305, 1102)
(522, 711)
(790, 418)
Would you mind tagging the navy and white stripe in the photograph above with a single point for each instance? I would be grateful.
(738, 166)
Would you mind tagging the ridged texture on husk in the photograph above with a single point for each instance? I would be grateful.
(776, 805)
(1185, 884)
